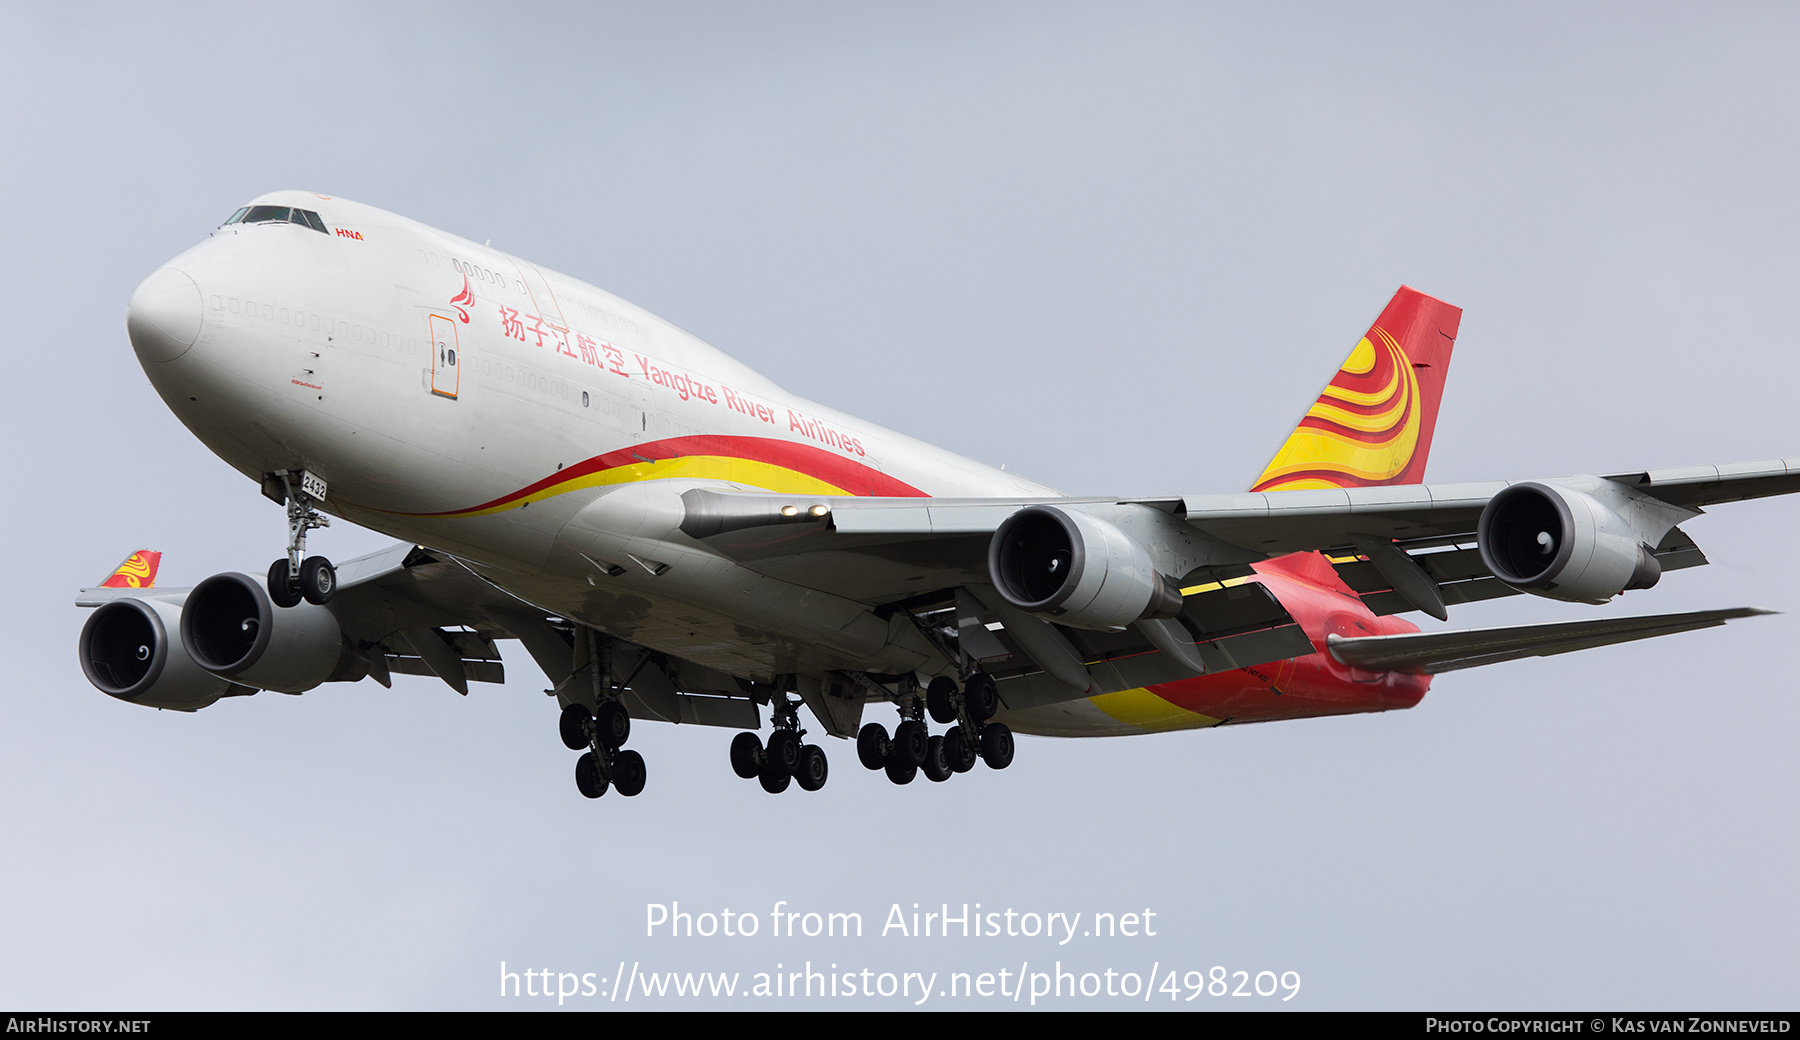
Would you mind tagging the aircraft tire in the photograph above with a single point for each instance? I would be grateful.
(783, 751)
(774, 779)
(318, 580)
(958, 752)
(613, 723)
(997, 745)
(281, 593)
(936, 767)
(587, 777)
(982, 697)
(812, 769)
(940, 699)
(902, 772)
(909, 743)
(629, 773)
(746, 755)
(872, 746)
(573, 727)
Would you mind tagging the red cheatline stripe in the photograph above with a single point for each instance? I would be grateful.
(830, 467)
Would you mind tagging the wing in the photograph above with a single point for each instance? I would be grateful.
(415, 611)
(1431, 653)
(883, 550)
(1398, 548)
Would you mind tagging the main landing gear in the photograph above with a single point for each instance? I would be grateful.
(603, 733)
(971, 736)
(299, 576)
(784, 758)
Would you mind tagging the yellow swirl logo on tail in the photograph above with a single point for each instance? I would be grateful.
(137, 572)
(1363, 429)
(1373, 424)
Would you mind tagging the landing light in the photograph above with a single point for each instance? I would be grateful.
(819, 510)
(790, 510)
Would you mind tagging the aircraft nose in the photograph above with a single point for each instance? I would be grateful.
(163, 317)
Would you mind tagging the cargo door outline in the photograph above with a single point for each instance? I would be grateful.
(446, 364)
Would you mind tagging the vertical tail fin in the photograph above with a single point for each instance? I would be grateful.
(137, 572)
(1373, 423)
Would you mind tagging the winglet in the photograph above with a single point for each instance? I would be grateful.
(137, 572)
(1373, 423)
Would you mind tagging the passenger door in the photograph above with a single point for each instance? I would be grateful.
(446, 364)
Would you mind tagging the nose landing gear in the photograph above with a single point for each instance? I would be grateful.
(299, 576)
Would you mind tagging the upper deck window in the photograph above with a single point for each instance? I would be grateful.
(279, 215)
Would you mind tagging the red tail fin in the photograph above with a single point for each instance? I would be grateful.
(137, 572)
(1373, 423)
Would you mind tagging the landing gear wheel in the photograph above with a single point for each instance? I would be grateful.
(936, 768)
(872, 746)
(940, 699)
(902, 772)
(628, 773)
(612, 723)
(281, 593)
(746, 755)
(909, 743)
(812, 769)
(587, 777)
(574, 727)
(996, 745)
(774, 778)
(982, 697)
(783, 752)
(959, 752)
(318, 580)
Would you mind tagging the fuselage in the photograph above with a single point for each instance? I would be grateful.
(542, 430)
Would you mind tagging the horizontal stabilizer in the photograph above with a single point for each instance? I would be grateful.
(1430, 653)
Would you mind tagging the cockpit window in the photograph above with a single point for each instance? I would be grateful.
(277, 215)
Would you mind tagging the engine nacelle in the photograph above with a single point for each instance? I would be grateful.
(1563, 544)
(230, 628)
(128, 651)
(1077, 571)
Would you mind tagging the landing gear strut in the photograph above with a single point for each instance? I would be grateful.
(299, 576)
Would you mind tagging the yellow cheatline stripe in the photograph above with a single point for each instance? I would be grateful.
(1361, 359)
(1148, 712)
(767, 476)
(1195, 590)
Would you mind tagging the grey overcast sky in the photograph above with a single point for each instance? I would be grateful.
(1116, 247)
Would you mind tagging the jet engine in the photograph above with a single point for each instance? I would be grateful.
(1077, 570)
(231, 629)
(127, 652)
(1563, 544)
